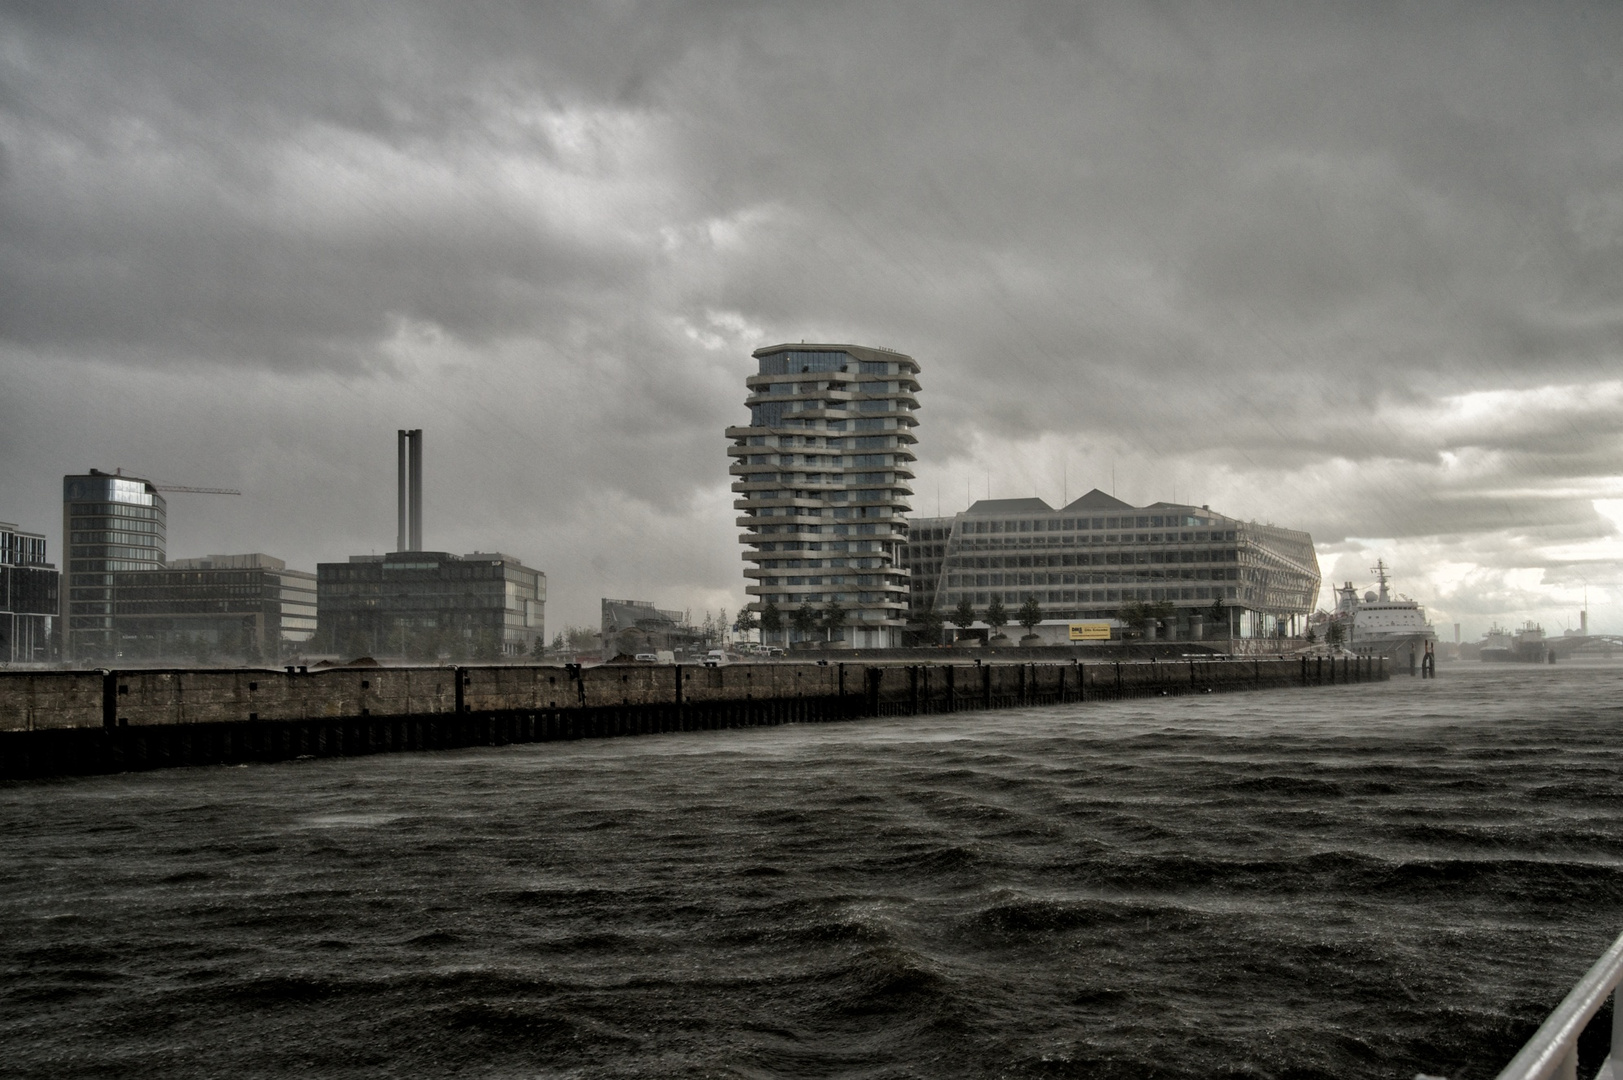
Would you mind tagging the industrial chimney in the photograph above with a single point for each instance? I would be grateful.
(409, 449)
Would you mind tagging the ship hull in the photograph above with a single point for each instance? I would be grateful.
(1402, 651)
(1513, 656)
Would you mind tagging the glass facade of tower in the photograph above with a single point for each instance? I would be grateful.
(110, 524)
(821, 474)
(28, 597)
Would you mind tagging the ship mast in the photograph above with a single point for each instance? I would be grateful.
(1379, 570)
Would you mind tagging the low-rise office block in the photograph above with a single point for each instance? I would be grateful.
(1198, 572)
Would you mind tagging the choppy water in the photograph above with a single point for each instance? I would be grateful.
(1341, 882)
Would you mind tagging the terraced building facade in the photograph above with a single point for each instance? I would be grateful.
(821, 472)
(1091, 557)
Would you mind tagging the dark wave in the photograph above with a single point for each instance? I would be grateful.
(1375, 881)
(1288, 786)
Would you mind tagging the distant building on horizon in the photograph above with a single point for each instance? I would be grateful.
(1086, 560)
(249, 607)
(29, 600)
(110, 524)
(121, 600)
(821, 473)
(418, 604)
(636, 626)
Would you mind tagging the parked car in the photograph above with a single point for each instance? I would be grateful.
(715, 658)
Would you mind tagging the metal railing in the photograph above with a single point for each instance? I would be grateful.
(1553, 1049)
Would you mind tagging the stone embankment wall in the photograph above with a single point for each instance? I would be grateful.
(67, 722)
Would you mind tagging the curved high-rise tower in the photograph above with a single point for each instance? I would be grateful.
(822, 472)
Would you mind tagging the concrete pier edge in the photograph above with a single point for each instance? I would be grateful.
(62, 723)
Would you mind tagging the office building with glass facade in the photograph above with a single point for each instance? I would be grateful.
(1092, 557)
(821, 474)
(29, 599)
(249, 607)
(111, 524)
(420, 604)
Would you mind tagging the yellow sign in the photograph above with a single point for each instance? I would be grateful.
(1090, 631)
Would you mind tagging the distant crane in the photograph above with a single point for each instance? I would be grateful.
(197, 490)
(183, 488)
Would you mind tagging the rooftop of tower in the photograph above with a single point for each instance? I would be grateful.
(859, 351)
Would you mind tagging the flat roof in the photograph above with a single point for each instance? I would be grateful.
(870, 352)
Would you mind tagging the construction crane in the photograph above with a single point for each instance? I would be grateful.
(197, 490)
(180, 487)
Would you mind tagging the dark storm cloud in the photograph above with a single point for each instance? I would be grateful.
(1290, 254)
(209, 184)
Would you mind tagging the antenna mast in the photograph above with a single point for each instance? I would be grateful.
(1379, 570)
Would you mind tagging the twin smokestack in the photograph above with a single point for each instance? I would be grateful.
(410, 446)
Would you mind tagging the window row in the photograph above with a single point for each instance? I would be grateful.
(819, 564)
(820, 511)
(890, 604)
(144, 540)
(803, 361)
(1095, 558)
(116, 551)
(950, 600)
(122, 510)
(1048, 540)
(859, 442)
(803, 529)
(845, 479)
(870, 580)
(1141, 521)
(820, 461)
(859, 386)
(1038, 578)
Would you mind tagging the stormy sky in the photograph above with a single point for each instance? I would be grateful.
(1355, 269)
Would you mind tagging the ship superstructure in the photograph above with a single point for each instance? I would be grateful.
(1380, 622)
(1525, 646)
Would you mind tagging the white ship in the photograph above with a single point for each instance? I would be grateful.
(1381, 623)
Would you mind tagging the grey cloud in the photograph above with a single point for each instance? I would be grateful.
(1257, 243)
(146, 217)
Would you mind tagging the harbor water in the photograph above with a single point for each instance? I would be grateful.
(1369, 880)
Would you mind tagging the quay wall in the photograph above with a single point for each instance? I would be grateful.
(72, 722)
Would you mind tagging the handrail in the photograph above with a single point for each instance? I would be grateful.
(1553, 1049)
